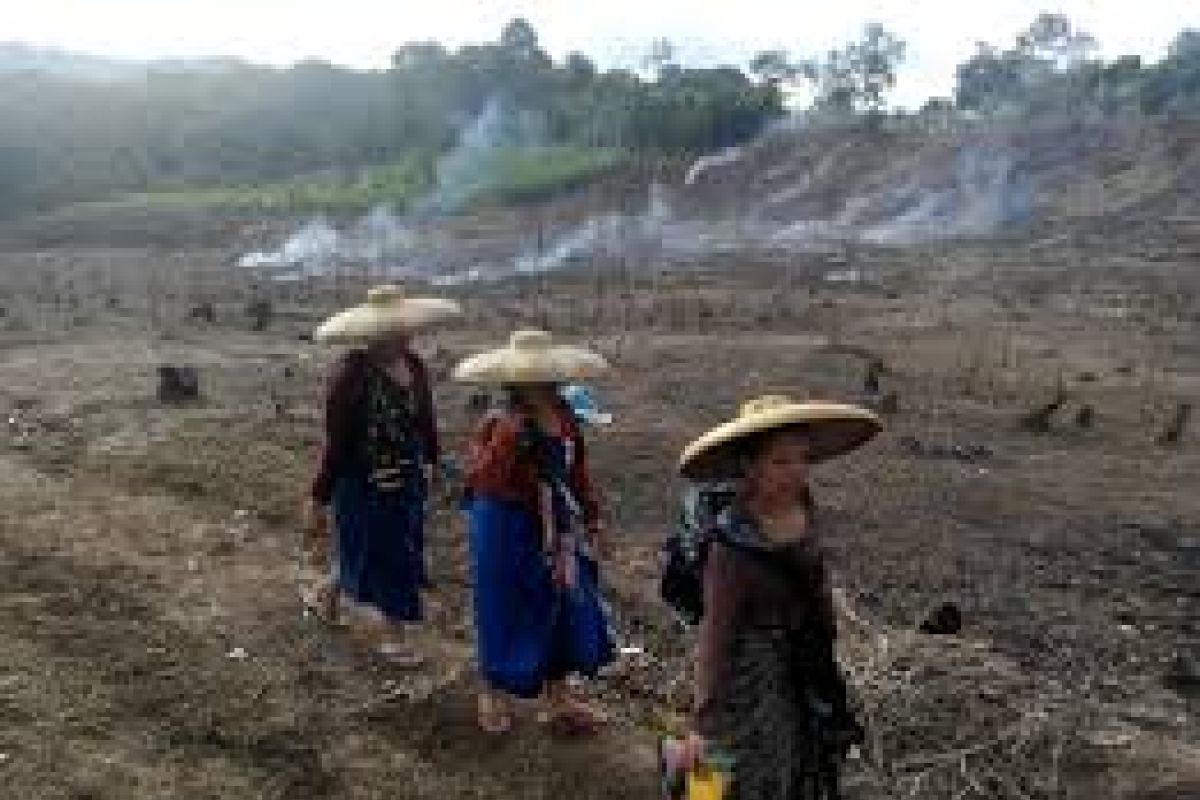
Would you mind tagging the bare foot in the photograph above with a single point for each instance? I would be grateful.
(495, 717)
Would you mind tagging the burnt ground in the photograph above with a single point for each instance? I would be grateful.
(154, 645)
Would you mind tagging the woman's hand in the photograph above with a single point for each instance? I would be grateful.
(316, 519)
(692, 752)
(315, 539)
(599, 541)
(560, 572)
(435, 482)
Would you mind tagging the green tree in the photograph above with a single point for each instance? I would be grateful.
(660, 56)
(1053, 39)
(859, 76)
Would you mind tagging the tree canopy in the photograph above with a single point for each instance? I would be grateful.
(65, 137)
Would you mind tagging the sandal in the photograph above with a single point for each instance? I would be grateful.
(495, 718)
(574, 718)
(397, 654)
(321, 601)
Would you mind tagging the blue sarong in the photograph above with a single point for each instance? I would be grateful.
(528, 631)
(380, 544)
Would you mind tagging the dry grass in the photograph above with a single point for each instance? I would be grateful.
(142, 545)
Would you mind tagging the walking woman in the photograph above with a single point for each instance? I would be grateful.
(768, 692)
(535, 535)
(381, 449)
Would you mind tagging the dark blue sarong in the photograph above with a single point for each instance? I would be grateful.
(380, 544)
(528, 631)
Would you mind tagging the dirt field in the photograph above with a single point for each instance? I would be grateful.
(154, 646)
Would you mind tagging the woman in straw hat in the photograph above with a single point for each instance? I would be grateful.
(534, 529)
(768, 690)
(381, 447)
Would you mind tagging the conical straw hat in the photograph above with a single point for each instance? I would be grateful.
(531, 357)
(834, 429)
(386, 311)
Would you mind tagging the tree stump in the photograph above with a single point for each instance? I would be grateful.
(178, 384)
(1038, 420)
(890, 403)
(875, 370)
(1086, 418)
(1175, 429)
(945, 620)
(261, 313)
(203, 312)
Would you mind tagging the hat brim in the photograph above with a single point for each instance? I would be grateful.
(834, 429)
(511, 366)
(366, 322)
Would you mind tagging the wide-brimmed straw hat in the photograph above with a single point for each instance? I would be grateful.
(833, 429)
(531, 357)
(387, 310)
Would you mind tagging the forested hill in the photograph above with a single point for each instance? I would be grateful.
(67, 136)
(317, 136)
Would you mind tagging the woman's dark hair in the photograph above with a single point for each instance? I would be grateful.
(512, 398)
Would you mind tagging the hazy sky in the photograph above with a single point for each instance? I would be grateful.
(364, 32)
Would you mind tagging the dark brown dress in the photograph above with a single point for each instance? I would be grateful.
(768, 690)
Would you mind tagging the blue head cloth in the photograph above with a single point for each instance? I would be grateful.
(583, 404)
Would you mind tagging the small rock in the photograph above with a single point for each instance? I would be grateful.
(237, 654)
(870, 599)
(261, 312)
(1161, 532)
(178, 384)
(945, 620)
(203, 312)
(1108, 739)
(1183, 676)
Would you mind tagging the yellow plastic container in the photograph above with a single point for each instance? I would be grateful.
(705, 784)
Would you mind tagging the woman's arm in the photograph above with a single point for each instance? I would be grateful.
(344, 390)
(491, 464)
(581, 484)
(426, 416)
(723, 592)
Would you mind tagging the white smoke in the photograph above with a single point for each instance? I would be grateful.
(470, 169)
(606, 236)
(472, 275)
(729, 155)
(379, 236)
(973, 192)
(657, 235)
(313, 246)
(380, 239)
(985, 195)
(979, 194)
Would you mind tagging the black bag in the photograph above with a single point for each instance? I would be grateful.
(685, 552)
